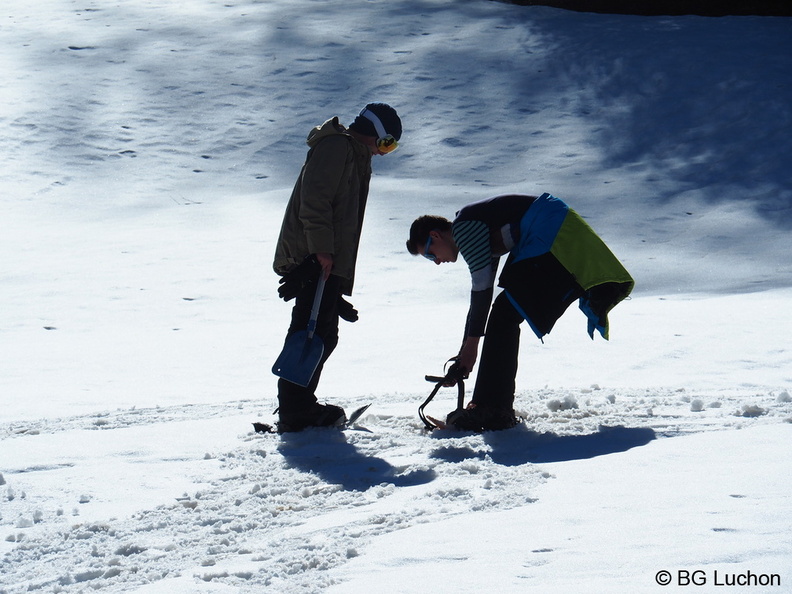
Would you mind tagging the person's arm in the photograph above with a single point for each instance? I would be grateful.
(468, 354)
(473, 240)
(322, 177)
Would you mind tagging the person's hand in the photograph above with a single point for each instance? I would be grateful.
(456, 372)
(326, 261)
(293, 282)
(346, 311)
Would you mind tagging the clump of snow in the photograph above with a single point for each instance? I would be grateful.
(752, 410)
(567, 403)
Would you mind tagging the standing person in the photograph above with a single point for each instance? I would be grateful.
(554, 259)
(320, 234)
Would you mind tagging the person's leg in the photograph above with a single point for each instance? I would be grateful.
(495, 381)
(492, 405)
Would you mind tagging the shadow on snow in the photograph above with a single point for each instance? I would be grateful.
(522, 446)
(327, 454)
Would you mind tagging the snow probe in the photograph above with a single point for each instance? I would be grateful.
(302, 350)
(453, 376)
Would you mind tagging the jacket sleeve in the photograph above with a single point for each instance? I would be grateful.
(473, 239)
(324, 173)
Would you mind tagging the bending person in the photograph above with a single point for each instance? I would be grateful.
(554, 258)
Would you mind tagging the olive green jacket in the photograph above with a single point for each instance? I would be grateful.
(326, 208)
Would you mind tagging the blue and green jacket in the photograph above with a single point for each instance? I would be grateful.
(554, 259)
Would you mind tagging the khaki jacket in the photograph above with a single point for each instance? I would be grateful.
(326, 208)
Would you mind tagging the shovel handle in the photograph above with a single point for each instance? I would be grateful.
(316, 303)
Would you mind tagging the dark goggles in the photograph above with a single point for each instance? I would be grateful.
(426, 253)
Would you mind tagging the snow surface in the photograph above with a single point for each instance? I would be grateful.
(147, 152)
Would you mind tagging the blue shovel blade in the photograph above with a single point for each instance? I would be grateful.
(299, 358)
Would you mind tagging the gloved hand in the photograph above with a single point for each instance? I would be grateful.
(456, 371)
(293, 282)
(346, 311)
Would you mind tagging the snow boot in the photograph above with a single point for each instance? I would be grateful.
(480, 418)
(318, 415)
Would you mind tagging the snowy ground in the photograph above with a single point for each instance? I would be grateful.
(148, 149)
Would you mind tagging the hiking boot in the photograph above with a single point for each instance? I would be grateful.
(480, 418)
(318, 415)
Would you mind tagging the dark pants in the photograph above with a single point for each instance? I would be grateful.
(495, 382)
(293, 398)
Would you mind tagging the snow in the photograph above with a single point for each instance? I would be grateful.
(148, 150)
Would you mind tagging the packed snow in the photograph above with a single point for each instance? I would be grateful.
(148, 151)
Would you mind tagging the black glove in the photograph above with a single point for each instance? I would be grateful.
(293, 282)
(456, 371)
(346, 311)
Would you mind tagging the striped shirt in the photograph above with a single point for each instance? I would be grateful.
(484, 231)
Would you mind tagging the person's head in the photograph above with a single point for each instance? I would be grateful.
(379, 127)
(431, 237)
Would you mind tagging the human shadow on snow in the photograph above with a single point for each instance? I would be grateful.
(327, 454)
(521, 445)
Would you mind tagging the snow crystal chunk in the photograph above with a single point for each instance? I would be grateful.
(208, 577)
(24, 523)
(86, 576)
(128, 549)
(697, 405)
(2, 480)
(568, 403)
(752, 410)
(782, 397)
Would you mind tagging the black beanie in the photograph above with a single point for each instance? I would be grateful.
(386, 114)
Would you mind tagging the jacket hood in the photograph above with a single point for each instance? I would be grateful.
(331, 127)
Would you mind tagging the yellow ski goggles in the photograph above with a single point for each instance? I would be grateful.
(386, 143)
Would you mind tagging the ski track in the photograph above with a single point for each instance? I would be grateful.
(267, 518)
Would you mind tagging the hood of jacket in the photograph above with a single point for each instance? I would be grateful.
(330, 128)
